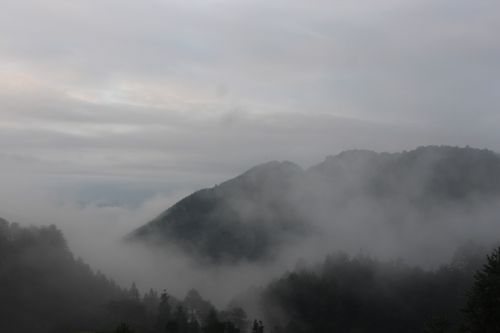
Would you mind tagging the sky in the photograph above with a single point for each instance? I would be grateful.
(114, 109)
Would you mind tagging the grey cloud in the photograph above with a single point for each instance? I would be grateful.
(412, 60)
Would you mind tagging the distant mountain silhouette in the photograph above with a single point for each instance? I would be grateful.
(242, 218)
(426, 175)
(271, 205)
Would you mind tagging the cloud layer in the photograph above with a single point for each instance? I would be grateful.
(122, 86)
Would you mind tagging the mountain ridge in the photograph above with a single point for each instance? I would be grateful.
(251, 216)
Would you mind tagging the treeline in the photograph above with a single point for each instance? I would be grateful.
(155, 313)
(362, 294)
(43, 288)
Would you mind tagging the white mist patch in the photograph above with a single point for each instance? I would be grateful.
(95, 233)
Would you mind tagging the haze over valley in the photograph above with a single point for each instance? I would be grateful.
(253, 166)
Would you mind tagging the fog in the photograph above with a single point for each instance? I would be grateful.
(112, 111)
(95, 223)
(95, 233)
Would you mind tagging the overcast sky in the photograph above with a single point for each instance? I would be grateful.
(98, 97)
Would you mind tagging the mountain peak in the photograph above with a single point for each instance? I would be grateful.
(351, 155)
(254, 214)
(273, 169)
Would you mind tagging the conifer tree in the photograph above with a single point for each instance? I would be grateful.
(134, 292)
(164, 311)
(483, 306)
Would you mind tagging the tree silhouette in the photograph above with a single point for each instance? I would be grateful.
(151, 302)
(164, 311)
(197, 307)
(181, 319)
(483, 305)
(134, 292)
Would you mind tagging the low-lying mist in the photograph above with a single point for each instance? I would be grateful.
(95, 233)
(409, 224)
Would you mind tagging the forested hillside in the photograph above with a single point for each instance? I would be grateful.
(276, 205)
(360, 294)
(44, 289)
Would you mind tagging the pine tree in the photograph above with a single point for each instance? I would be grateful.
(483, 306)
(151, 302)
(181, 319)
(164, 311)
(134, 292)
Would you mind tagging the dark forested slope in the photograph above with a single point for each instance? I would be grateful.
(43, 288)
(243, 218)
(361, 294)
(252, 216)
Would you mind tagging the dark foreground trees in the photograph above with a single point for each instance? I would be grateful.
(191, 315)
(362, 294)
(483, 304)
(44, 289)
(359, 294)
